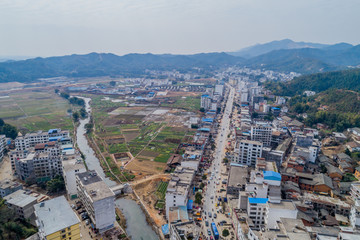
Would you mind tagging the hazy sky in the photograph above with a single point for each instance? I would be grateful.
(59, 27)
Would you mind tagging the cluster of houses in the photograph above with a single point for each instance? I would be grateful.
(282, 185)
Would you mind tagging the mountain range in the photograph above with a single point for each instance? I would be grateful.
(285, 55)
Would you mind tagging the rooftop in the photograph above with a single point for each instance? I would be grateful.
(238, 176)
(20, 199)
(284, 204)
(54, 215)
(94, 185)
(7, 183)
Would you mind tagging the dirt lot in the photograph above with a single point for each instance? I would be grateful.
(146, 189)
(329, 151)
(146, 167)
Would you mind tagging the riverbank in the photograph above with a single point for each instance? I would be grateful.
(136, 221)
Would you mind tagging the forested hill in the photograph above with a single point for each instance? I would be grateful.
(347, 79)
(107, 64)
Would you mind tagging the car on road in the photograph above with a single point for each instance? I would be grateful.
(212, 197)
(210, 215)
(215, 216)
(206, 223)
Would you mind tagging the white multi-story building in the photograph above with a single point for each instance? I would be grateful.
(97, 198)
(179, 187)
(31, 139)
(244, 97)
(256, 210)
(355, 214)
(275, 211)
(2, 146)
(70, 168)
(355, 191)
(41, 163)
(219, 89)
(247, 152)
(205, 101)
(261, 132)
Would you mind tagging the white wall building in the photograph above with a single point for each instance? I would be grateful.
(275, 211)
(205, 101)
(219, 89)
(246, 152)
(31, 139)
(256, 211)
(177, 192)
(70, 168)
(97, 198)
(261, 132)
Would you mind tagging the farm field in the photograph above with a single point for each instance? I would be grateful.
(149, 134)
(35, 110)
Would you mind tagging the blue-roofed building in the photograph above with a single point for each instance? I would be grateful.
(258, 200)
(271, 175)
(165, 229)
(207, 120)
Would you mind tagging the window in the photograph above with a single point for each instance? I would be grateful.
(62, 231)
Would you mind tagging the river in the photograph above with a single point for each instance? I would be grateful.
(137, 227)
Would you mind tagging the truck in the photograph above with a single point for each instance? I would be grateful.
(215, 231)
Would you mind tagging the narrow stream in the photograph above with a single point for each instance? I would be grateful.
(137, 227)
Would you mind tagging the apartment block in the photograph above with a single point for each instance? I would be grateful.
(31, 139)
(246, 152)
(205, 101)
(97, 198)
(262, 132)
(256, 210)
(355, 215)
(38, 165)
(56, 220)
(179, 187)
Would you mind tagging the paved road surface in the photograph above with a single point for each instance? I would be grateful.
(217, 167)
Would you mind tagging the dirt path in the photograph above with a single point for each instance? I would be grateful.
(152, 177)
(5, 169)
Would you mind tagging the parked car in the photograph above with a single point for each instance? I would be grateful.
(209, 232)
(206, 223)
(215, 216)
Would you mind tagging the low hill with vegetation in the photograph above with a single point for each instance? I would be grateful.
(347, 79)
(337, 108)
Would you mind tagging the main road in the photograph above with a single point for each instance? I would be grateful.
(214, 172)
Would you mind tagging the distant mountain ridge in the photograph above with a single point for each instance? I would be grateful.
(259, 49)
(312, 58)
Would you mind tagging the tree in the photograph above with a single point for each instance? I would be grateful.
(56, 184)
(8, 130)
(225, 233)
(65, 95)
(112, 83)
(198, 198)
(202, 109)
(83, 113)
(204, 177)
(76, 116)
(56, 91)
(89, 127)
(254, 115)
